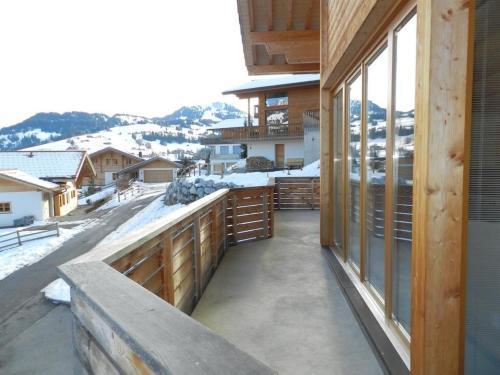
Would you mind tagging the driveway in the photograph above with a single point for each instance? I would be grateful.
(21, 303)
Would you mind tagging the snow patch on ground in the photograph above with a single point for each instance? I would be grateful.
(28, 253)
(154, 211)
(57, 291)
(262, 178)
(104, 193)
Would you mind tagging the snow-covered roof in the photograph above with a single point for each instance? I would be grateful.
(148, 161)
(292, 80)
(116, 150)
(44, 164)
(232, 123)
(14, 174)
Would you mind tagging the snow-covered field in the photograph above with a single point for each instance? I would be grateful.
(30, 252)
(129, 139)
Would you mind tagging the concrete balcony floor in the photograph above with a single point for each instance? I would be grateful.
(279, 301)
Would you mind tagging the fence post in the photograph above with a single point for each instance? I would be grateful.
(265, 214)
(57, 229)
(278, 187)
(224, 223)
(312, 193)
(168, 282)
(18, 237)
(197, 258)
(235, 219)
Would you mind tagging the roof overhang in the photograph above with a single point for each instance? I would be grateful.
(280, 36)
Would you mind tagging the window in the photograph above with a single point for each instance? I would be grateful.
(108, 161)
(404, 129)
(373, 142)
(482, 306)
(5, 208)
(72, 194)
(354, 169)
(236, 150)
(115, 161)
(224, 150)
(276, 99)
(277, 122)
(376, 142)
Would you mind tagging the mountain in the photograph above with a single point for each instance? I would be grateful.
(49, 127)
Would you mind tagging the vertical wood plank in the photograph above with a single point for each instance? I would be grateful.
(326, 164)
(235, 218)
(224, 223)
(168, 281)
(271, 209)
(197, 258)
(265, 214)
(278, 188)
(444, 62)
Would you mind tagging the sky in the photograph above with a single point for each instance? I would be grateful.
(141, 57)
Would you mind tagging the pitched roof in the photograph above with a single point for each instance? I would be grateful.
(44, 164)
(146, 162)
(20, 176)
(280, 82)
(118, 151)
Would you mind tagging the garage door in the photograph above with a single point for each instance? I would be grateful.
(158, 175)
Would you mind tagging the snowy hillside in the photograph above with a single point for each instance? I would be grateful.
(149, 139)
(50, 127)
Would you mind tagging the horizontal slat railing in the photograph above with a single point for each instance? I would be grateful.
(296, 193)
(271, 131)
(176, 257)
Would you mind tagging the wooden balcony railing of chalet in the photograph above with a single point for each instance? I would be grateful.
(119, 327)
(247, 133)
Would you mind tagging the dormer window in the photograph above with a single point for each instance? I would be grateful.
(276, 99)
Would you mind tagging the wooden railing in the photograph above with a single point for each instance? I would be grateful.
(271, 131)
(296, 193)
(174, 259)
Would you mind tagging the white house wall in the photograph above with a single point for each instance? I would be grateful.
(293, 149)
(24, 203)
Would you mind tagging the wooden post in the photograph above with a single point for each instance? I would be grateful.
(18, 237)
(213, 236)
(265, 214)
(168, 282)
(278, 188)
(443, 110)
(271, 209)
(224, 222)
(235, 219)
(57, 229)
(312, 193)
(197, 258)
(326, 164)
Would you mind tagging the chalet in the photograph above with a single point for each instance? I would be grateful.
(154, 170)
(223, 155)
(275, 127)
(107, 162)
(41, 183)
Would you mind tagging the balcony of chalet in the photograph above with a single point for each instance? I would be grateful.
(243, 134)
(246, 264)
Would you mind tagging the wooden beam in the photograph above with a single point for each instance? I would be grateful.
(308, 21)
(289, 23)
(295, 52)
(444, 63)
(282, 69)
(326, 167)
(269, 15)
(262, 37)
(251, 15)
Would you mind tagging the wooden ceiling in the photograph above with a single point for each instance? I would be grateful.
(280, 36)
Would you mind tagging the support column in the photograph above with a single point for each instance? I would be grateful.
(444, 62)
(326, 165)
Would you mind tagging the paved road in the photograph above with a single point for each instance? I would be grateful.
(21, 304)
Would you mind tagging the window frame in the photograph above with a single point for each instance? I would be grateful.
(385, 39)
(3, 211)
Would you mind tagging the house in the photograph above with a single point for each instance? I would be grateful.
(24, 195)
(223, 156)
(409, 161)
(107, 162)
(154, 170)
(47, 179)
(275, 129)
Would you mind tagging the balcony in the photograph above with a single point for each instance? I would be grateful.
(255, 133)
(271, 302)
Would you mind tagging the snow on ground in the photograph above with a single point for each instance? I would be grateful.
(154, 211)
(28, 253)
(58, 291)
(129, 139)
(104, 193)
(141, 191)
(262, 178)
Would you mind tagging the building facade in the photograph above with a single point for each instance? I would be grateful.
(409, 161)
(108, 162)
